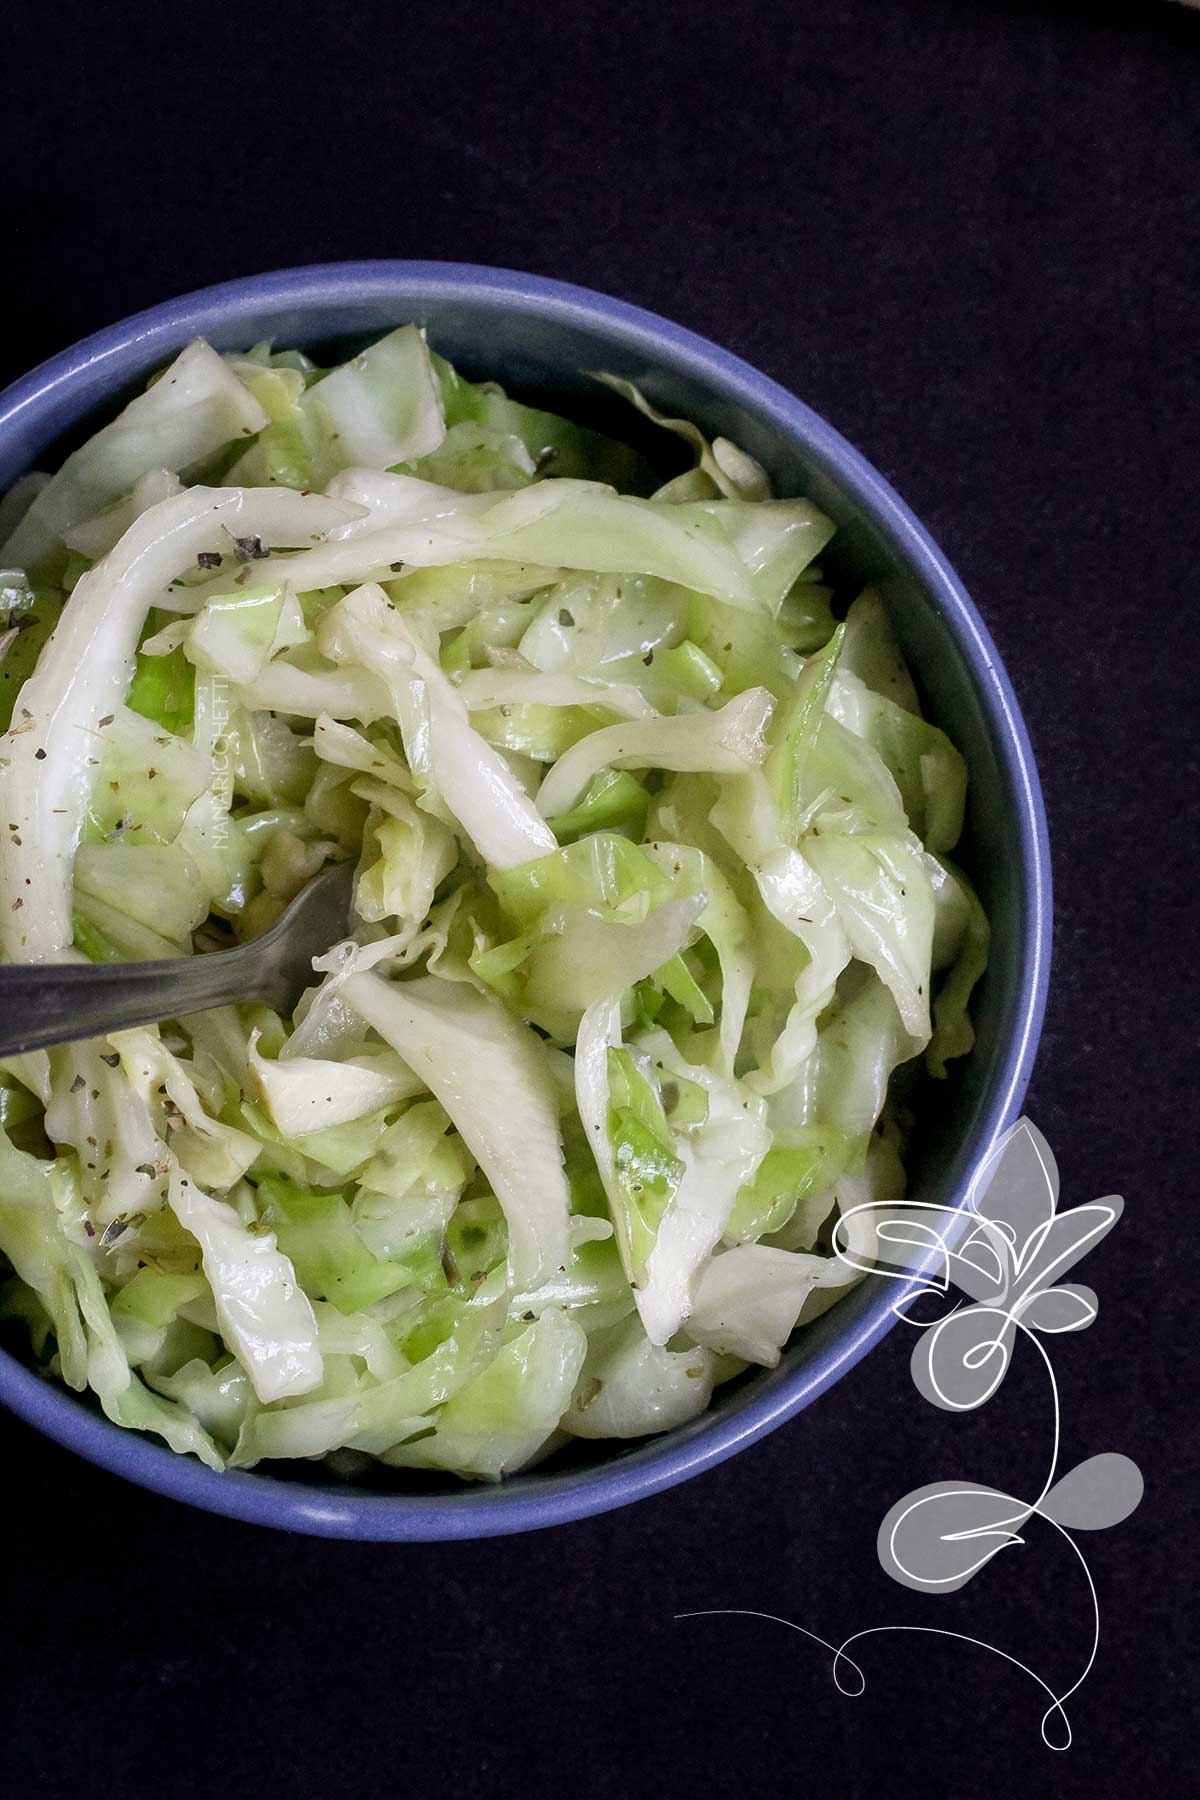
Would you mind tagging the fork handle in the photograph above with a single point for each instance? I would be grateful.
(53, 1003)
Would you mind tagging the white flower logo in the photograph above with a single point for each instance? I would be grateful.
(1006, 1251)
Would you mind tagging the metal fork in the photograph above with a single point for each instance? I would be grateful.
(52, 1003)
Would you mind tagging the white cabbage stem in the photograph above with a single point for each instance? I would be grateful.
(56, 738)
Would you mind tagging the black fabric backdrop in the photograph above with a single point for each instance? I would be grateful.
(969, 235)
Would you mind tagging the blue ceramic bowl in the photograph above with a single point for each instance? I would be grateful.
(536, 336)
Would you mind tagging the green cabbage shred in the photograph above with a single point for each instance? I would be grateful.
(654, 914)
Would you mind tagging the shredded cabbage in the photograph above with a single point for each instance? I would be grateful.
(654, 916)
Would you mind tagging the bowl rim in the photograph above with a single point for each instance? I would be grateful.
(659, 1463)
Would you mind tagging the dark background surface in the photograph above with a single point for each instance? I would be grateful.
(969, 235)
